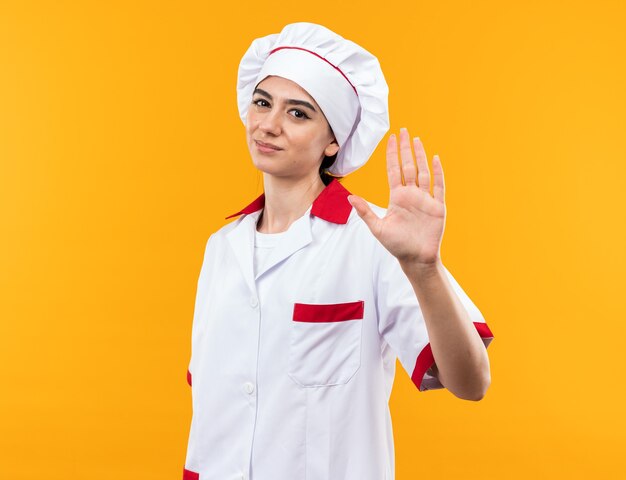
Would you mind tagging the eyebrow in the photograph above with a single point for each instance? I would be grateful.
(289, 101)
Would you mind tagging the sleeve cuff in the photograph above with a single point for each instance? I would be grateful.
(190, 475)
(425, 360)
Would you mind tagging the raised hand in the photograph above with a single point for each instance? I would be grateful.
(413, 226)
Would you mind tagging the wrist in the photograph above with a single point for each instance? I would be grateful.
(420, 270)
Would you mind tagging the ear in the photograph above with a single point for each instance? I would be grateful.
(331, 149)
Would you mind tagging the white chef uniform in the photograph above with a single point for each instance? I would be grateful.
(292, 366)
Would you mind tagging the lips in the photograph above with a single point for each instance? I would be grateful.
(267, 145)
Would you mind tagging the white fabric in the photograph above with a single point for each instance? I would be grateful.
(344, 79)
(264, 243)
(278, 399)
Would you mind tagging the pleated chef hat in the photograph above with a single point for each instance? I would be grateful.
(345, 80)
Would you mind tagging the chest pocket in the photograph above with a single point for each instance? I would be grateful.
(325, 343)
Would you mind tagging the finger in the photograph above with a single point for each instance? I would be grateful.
(365, 212)
(439, 187)
(408, 166)
(393, 167)
(423, 178)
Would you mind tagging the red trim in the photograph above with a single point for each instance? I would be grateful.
(189, 377)
(425, 359)
(483, 330)
(331, 204)
(257, 204)
(333, 312)
(189, 475)
(319, 56)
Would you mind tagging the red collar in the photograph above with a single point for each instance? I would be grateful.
(331, 204)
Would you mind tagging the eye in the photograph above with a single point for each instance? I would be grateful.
(256, 102)
(304, 115)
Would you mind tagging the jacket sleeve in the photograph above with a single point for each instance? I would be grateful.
(401, 322)
(202, 286)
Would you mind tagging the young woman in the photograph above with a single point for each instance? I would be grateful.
(307, 299)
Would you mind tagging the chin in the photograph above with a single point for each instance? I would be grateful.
(265, 165)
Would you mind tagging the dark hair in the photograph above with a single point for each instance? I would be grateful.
(326, 163)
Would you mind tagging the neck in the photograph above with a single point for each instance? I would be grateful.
(286, 200)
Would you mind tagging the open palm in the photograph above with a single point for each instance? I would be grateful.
(413, 226)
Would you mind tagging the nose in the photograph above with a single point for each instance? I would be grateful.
(270, 122)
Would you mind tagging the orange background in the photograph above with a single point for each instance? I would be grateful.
(121, 150)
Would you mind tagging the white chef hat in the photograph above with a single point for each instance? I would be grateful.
(345, 80)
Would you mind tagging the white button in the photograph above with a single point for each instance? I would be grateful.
(253, 302)
(249, 387)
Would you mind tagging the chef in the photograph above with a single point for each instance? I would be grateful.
(307, 298)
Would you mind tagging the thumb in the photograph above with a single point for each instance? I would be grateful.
(364, 211)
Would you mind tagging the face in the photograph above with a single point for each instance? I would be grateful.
(284, 115)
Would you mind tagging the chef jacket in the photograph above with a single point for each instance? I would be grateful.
(292, 366)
